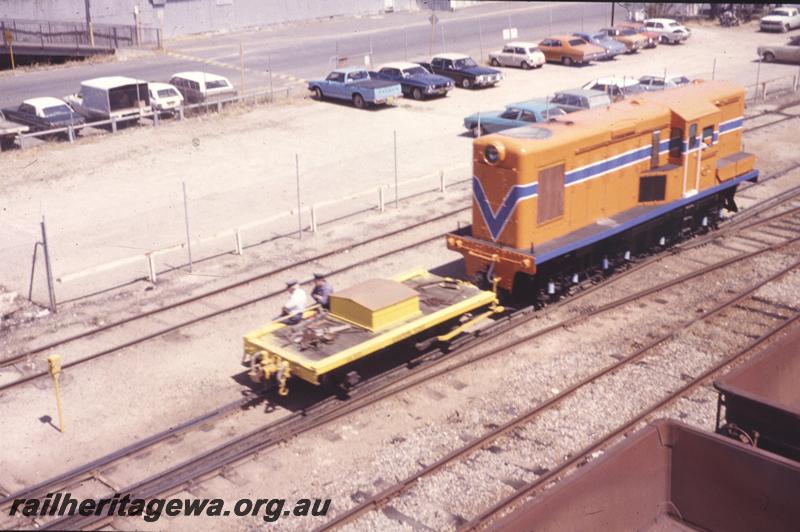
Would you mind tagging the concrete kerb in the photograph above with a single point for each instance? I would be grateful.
(237, 235)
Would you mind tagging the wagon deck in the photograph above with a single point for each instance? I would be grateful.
(363, 320)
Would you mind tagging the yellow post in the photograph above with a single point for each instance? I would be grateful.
(54, 363)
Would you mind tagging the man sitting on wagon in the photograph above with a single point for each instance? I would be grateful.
(295, 305)
(322, 290)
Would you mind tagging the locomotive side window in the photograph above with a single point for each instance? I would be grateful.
(551, 194)
(652, 188)
(693, 136)
(675, 142)
(708, 134)
(655, 149)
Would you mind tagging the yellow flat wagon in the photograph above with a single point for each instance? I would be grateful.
(362, 321)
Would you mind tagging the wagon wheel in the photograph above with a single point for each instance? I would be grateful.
(739, 434)
(567, 61)
(417, 93)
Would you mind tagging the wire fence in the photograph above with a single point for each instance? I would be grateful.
(52, 33)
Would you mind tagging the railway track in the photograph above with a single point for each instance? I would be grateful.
(746, 305)
(179, 314)
(241, 449)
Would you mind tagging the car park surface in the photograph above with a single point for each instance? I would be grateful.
(514, 115)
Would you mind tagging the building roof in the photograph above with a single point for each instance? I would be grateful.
(451, 56)
(110, 82)
(399, 65)
(200, 76)
(45, 101)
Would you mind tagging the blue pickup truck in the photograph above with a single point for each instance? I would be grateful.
(355, 84)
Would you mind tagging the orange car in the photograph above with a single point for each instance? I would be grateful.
(651, 36)
(569, 50)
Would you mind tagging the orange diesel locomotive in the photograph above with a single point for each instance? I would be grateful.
(583, 192)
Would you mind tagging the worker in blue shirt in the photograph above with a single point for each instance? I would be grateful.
(322, 290)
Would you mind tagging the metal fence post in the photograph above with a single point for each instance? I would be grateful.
(713, 70)
(396, 192)
(405, 37)
(151, 268)
(237, 233)
(381, 203)
(71, 133)
(180, 113)
(442, 184)
(113, 124)
(51, 292)
(758, 77)
(186, 219)
(313, 219)
(480, 37)
(299, 212)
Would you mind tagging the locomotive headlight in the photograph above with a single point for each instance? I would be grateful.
(494, 153)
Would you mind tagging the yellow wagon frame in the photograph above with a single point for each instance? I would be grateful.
(267, 358)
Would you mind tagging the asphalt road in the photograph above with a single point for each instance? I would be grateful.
(306, 50)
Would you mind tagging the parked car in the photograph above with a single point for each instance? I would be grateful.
(41, 114)
(570, 50)
(651, 36)
(415, 80)
(657, 83)
(514, 115)
(202, 87)
(525, 55)
(112, 97)
(355, 84)
(616, 87)
(580, 99)
(780, 19)
(9, 131)
(670, 31)
(164, 97)
(463, 70)
(630, 38)
(789, 52)
(613, 48)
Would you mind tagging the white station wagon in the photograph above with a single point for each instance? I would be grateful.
(199, 87)
(525, 55)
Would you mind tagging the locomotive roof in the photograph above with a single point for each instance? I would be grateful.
(642, 113)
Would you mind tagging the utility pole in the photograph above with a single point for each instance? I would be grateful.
(612, 13)
(89, 27)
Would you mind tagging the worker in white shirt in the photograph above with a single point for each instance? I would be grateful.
(294, 306)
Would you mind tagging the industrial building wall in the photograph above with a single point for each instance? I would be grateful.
(181, 17)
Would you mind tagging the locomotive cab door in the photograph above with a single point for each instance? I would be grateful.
(693, 125)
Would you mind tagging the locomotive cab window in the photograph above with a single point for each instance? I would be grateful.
(708, 134)
(652, 188)
(676, 142)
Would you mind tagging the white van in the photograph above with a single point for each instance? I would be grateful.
(197, 87)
